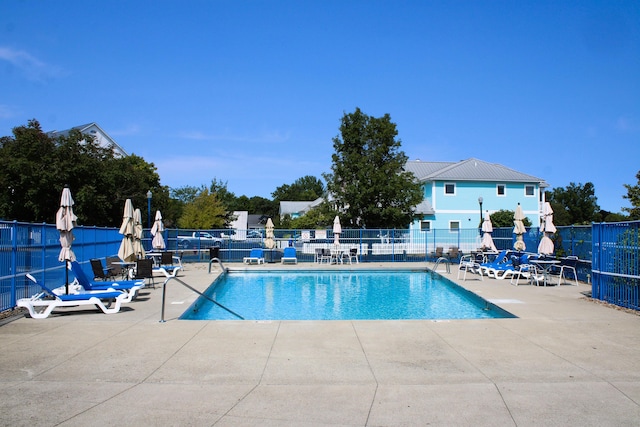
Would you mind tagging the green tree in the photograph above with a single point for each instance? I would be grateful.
(633, 195)
(504, 218)
(574, 205)
(204, 212)
(368, 182)
(34, 168)
(307, 188)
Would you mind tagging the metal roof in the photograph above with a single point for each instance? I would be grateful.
(468, 170)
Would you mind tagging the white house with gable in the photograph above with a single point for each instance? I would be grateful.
(100, 136)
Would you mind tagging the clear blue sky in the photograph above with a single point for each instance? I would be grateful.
(252, 92)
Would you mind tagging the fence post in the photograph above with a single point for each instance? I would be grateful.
(14, 260)
(43, 242)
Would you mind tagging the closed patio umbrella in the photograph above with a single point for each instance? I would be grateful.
(125, 253)
(337, 230)
(546, 246)
(138, 249)
(269, 241)
(487, 229)
(156, 232)
(65, 222)
(519, 229)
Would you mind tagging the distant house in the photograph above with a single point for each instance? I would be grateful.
(297, 209)
(452, 191)
(99, 135)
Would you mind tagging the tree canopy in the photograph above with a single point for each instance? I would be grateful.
(574, 205)
(307, 188)
(34, 168)
(206, 211)
(368, 182)
(633, 195)
(504, 218)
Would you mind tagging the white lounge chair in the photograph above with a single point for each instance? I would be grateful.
(256, 255)
(468, 263)
(42, 304)
(131, 287)
(289, 255)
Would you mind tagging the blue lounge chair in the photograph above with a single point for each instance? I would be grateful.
(131, 287)
(256, 255)
(511, 267)
(43, 303)
(289, 255)
(487, 267)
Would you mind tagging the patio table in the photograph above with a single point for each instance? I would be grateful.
(545, 265)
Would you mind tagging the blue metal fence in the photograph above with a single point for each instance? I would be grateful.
(616, 263)
(35, 248)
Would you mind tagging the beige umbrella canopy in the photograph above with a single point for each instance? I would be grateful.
(126, 252)
(519, 229)
(156, 232)
(65, 222)
(337, 230)
(138, 249)
(269, 241)
(487, 229)
(546, 246)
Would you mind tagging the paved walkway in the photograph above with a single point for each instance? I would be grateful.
(565, 361)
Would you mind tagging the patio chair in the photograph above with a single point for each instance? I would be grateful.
(144, 270)
(256, 255)
(353, 255)
(99, 271)
(43, 303)
(568, 265)
(289, 255)
(438, 253)
(167, 266)
(453, 253)
(468, 263)
(116, 269)
(131, 287)
(322, 255)
(530, 272)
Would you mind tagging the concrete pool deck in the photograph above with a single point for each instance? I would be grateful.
(564, 361)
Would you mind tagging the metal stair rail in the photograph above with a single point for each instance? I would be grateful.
(224, 269)
(443, 260)
(164, 293)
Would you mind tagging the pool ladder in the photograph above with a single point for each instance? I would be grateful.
(224, 269)
(444, 261)
(164, 294)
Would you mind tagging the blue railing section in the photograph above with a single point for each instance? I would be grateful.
(35, 248)
(616, 264)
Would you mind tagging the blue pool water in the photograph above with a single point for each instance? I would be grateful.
(350, 295)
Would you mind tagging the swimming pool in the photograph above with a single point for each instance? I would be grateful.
(331, 295)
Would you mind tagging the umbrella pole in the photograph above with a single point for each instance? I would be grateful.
(66, 276)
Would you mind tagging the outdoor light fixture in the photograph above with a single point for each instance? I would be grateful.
(480, 225)
(149, 195)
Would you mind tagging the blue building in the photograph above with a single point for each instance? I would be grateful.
(458, 194)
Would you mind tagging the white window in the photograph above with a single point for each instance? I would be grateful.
(501, 190)
(454, 225)
(449, 188)
(425, 225)
(529, 190)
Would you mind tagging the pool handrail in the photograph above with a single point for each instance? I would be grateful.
(164, 292)
(224, 269)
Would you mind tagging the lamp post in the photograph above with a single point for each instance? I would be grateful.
(149, 195)
(480, 225)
